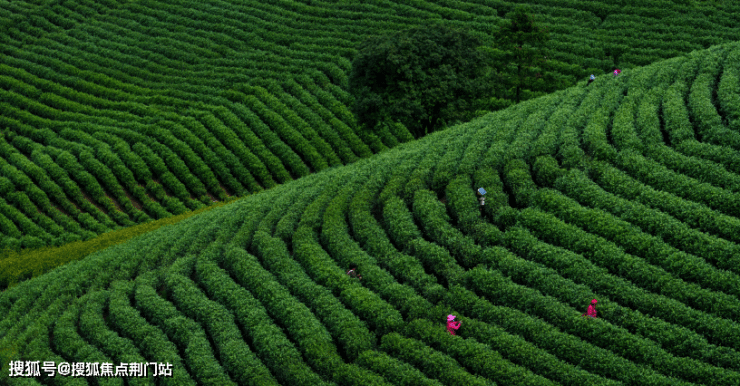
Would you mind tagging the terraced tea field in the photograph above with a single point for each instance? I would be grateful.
(120, 112)
(625, 191)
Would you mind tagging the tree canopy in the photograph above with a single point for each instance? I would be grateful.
(425, 78)
(520, 57)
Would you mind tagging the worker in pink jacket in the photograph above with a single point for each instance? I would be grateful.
(452, 325)
(591, 309)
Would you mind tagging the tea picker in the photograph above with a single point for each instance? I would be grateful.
(481, 193)
(452, 325)
(591, 310)
(353, 272)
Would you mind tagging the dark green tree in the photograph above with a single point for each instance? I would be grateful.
(424, 78)
(520, 55)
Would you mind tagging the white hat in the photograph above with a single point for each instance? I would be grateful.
(450, 318)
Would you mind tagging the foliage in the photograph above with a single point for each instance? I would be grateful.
(425, 78)
(97, 91)
(23, 264)
(624, 191)
(519, 54)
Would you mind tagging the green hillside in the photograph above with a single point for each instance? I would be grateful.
(115, 113)
(625, 191)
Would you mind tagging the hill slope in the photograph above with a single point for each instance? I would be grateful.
(123, 111)
(625, 191)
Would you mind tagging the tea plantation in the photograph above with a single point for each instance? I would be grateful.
(626, 190)
(116, 113)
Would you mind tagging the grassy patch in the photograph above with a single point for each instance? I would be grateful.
(18, 266)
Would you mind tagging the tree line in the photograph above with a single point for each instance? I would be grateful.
(433, 76)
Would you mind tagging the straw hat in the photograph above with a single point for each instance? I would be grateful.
(450, 318)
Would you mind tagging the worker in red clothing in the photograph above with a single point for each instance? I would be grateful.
(617, 72)
(452, 325)
(591, 309)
